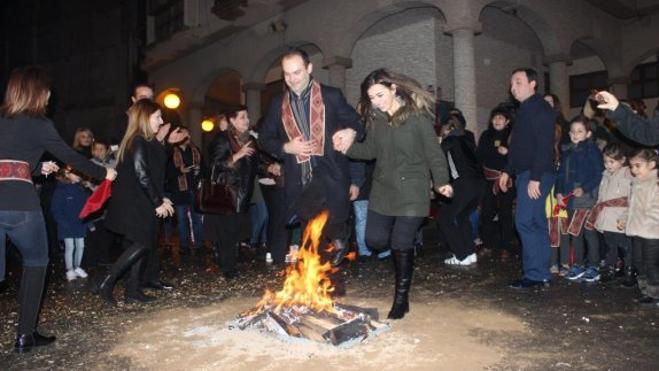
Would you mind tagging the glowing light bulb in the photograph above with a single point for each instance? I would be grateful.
(207, 125)
(172, 101)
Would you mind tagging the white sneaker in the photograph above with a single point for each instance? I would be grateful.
(71, 275)
(469, 260)
(80, 272)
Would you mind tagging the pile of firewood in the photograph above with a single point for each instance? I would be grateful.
(345, 326)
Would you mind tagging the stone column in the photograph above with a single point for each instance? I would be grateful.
(195, 115)
(464, 76)
(336, 68)
(619, 86)
(253, 99)
(559, 80)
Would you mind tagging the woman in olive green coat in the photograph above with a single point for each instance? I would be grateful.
(401, 138)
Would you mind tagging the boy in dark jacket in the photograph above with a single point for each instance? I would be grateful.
(579, 175)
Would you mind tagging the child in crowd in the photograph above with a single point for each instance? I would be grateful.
(68, 199)
(493, 154)
(101, 154)
(611, 208)
(643, 223)
(579, 176)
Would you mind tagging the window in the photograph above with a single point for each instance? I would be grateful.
(644, 81)
(581, 86)
(168, 17)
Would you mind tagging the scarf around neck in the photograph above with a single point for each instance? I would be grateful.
(316, 121)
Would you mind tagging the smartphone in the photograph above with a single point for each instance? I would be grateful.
(595, 97)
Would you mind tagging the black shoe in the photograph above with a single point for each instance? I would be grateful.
(158, 285)
(104, 290)
(341, 248)
(403, 268)
(398, 310)
(138, 297)
(648, 301)
(25, 343)
(230, 275)
(526, 283)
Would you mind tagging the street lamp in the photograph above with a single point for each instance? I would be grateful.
(172, 101)
(207, 125)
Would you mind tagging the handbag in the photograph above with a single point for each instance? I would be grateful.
(218, 197)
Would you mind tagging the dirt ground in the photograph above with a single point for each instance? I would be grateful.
(460, 319)
(440, 335)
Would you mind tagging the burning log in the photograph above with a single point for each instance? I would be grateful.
(303, 308)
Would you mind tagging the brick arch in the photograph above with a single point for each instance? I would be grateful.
(202, 84)
(260, 68)
(361, 23)
(543, 27)
(638, 58)
(604, 51)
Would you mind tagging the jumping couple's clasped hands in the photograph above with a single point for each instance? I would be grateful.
(344, 138)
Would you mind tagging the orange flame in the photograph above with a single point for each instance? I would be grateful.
(307, 283)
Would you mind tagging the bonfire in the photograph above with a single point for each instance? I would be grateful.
(304, 307)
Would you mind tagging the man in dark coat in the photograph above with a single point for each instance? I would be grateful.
(531, 162)
(298, 130)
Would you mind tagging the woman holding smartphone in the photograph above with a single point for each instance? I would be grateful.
(231, 157)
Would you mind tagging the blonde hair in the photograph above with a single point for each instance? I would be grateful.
(27, 92)
(138, 125)
(76, 137)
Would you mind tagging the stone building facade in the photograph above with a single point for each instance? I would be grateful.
(466, 47)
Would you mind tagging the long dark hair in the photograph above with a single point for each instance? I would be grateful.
(410, 91)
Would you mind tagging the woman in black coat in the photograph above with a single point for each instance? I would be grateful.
(493, 154)
(232, 159)
(137, 197)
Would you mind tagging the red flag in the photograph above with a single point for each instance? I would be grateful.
(566, 198)
(97, 199)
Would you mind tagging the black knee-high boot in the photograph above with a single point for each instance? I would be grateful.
(127, 259)
(133, 291)
(404, 266)
(29, 296)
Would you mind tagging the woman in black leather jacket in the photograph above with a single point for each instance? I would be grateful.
(137, 197)
(232, 155)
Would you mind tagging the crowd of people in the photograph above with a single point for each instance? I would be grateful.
(580, 195)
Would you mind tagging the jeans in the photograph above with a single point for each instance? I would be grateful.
(361, 210)
(397, 232)
(73, 250)
(531, 223)
(258, 213)
(27, 230)
(184, 226)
